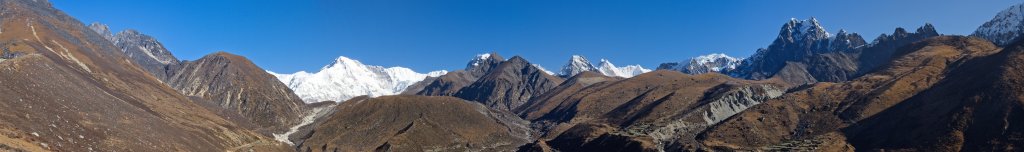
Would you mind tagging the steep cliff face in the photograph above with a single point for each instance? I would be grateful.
(233, 82)
(70, 89)
(417, 123)
(509, 85)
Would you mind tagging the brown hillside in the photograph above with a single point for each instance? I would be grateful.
(234, 83)
(656, 110)
(417, 123)
(814, 111)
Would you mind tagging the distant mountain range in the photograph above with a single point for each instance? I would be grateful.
(579, 64)
(68, 86)
(347, 78)
(720, 63)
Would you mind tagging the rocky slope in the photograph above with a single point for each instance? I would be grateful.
(417, 123)
(815, 111)
(964, 111)
(234, 83)
(142, 49)
(347, 78)
(73, 90)
(661, 110)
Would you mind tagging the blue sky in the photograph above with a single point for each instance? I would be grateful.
(425, 35)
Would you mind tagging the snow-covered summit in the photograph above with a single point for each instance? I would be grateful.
(1005, 28)
(798, 30)
(479, 60)
(579, 64)
(346, 78)
(607, 68)
(716, 62)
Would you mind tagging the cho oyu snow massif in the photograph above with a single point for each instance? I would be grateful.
(347, 78)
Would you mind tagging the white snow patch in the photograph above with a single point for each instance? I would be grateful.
(542, 69)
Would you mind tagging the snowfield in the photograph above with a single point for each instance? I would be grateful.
(347, 78)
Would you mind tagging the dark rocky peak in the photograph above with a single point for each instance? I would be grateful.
(509, 85)
(102, 29)
(518, 60)
(903, 37)
(927, 29)
(797, 41)
(145, 51)
(845, 41)
(799, 30)
(483, 63)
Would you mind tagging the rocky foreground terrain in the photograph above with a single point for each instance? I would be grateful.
(71, 87)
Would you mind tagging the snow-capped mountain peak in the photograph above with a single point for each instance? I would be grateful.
(1005, 28)
(797, 30)
(716, 62)
(607, 68)
(577, 64)
(346, 78)
(480, 58)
